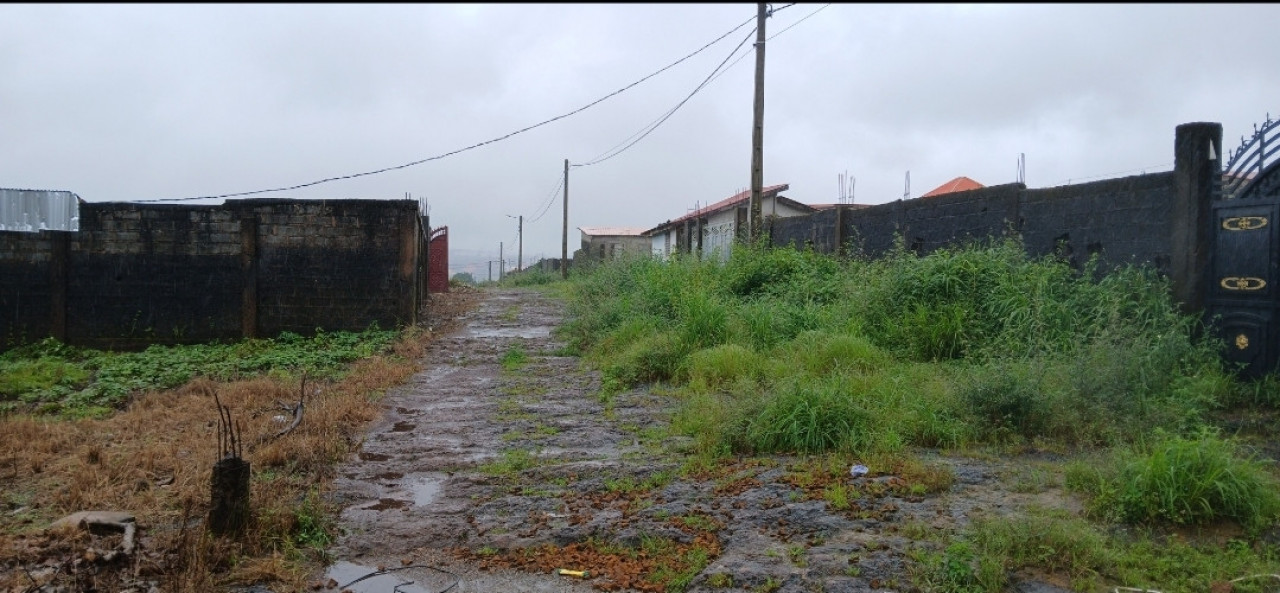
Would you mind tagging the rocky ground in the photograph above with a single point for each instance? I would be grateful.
(500, 463)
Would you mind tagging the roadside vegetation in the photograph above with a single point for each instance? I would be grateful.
(49, 377)
(976, 350)
(82, 429)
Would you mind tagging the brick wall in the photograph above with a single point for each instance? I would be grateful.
(138, 274)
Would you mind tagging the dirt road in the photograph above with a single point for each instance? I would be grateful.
(501, 444)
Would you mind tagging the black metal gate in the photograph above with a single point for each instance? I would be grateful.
(1243, 297)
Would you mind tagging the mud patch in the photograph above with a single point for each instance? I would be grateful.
(424, 490)
(388, 503)
(509, 332)
(357, 578)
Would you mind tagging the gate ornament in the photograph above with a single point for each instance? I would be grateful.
(1244, 223)
(1250, 160)
(1243, 283)
(1242, 341)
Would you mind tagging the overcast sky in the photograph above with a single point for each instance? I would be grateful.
(127, 102)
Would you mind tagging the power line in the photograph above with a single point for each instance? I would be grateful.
(770, 38)
(720, 70)
(823, 7)
(653, 126)
(473, 146)
(551, 199)
(1116, 173)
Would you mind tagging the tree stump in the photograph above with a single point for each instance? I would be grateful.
(229, 496)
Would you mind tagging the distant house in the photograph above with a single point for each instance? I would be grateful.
(955, 185)
(714, 228)
(609, 242)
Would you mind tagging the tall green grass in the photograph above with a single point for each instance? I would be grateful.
(798, 351)
(993, 549)
(1182, 480)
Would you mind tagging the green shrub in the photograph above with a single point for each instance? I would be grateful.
(1181, 480)
(1038, 351)
(19, 377)
(721, 366)
(55, 378)
(819, 353)
(1053, 542)
(810, 416)
(651, 358)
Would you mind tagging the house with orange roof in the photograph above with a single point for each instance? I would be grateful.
(958, 184)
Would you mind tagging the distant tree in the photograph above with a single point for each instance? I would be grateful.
(462, 278)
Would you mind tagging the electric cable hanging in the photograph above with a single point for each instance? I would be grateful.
(551, 199)
(467, 148)
(720, 70)
(608, 154)
(770, 38)
(1115, 173)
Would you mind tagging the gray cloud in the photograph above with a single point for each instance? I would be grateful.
(126, 102)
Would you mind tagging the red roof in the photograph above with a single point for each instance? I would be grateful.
(611, 231)
(958, 184)
(737, 198)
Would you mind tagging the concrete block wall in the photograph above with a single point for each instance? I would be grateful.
(140, 274)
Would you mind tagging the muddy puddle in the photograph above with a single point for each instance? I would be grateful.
(470, 455)
(357, 578)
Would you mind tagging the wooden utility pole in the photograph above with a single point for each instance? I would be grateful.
(564, 234)
(757, 132)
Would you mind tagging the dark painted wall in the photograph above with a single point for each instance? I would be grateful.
(140, 274)
(1158, 220)
(25, 286)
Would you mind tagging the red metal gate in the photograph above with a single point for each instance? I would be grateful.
(438, 260)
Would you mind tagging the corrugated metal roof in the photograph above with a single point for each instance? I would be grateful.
(34, 210)
(611, 231)
(734, 200)
(961, 183)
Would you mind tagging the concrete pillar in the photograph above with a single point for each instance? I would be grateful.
(58, 284)
(1195, 168)
(249, 273)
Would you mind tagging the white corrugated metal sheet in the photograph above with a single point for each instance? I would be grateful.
(34, 210)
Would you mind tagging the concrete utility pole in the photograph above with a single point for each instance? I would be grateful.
(500, 261)
(565, 232)
(755, 227)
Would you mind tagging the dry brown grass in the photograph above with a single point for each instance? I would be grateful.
(154, 459)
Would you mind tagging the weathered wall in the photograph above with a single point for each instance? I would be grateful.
(1146, 219)
(1126, 220)
(164, 273)
(140, 274)
(26, 287)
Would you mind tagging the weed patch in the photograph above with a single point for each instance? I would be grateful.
(1181, 480)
